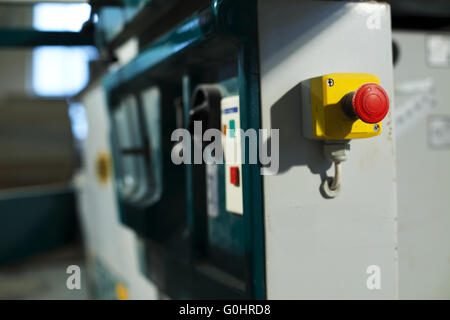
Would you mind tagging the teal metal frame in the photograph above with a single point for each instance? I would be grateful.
(33, 38)
(237, 22)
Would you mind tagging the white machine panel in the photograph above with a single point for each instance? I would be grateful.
(346, 247)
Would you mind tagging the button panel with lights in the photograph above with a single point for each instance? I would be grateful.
(231, 142)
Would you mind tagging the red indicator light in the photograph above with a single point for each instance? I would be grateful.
(234, 176)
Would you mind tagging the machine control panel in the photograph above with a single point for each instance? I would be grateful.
(231, 142)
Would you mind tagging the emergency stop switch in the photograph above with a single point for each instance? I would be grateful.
(342, 106)
(339, 107)
(370, 103)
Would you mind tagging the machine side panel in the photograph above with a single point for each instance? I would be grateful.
(317, 247)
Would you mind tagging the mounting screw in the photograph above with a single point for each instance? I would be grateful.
(330, 82)
(376, 127)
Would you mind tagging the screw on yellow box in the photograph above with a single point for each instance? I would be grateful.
(323, 114)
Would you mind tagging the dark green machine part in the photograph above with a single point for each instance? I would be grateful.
(33, 38)
(122, 19)
(187, 253)
(35, 221)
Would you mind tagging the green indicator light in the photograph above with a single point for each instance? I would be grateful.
(232, 127)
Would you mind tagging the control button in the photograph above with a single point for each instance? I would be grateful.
(232, 126)
(370, 103)
(234, 176)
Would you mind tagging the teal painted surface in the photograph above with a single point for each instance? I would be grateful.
(35, 222)
(187, 34)
(135, 76)
(132, 7)
(252, 193)
(227, 230)
(153, 217)
(249, 88)
(186, 96)
(234, 22)
(112, 20)
(239, 19)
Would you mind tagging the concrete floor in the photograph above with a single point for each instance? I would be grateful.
(43, 277)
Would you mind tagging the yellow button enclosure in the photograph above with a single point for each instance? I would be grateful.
(121, 291)
(328, 118)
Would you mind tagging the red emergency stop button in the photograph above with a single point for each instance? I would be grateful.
(234, 176)
(370, 103)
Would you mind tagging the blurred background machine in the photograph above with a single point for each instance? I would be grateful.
(421, 50)
(38, 157)
(354, 206)
(422, 137)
